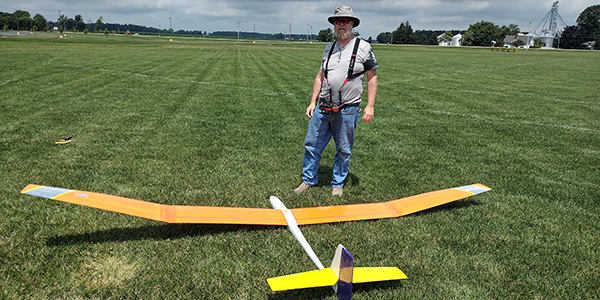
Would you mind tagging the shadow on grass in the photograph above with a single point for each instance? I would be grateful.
(150, 232)
(449, 207)
(176, 231)
(325, 174)
(327, 292)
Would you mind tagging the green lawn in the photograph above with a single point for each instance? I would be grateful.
(195, 122)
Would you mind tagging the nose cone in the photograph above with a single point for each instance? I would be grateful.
(276, 203)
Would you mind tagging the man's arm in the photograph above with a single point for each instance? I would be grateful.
(369, 110)
(315, 94)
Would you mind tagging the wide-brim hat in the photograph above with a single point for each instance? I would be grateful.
(344, 12)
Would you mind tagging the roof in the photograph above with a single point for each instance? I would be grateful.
(524, 38)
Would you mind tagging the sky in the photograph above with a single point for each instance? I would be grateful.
(273, 16)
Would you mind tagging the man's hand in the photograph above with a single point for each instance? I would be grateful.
(310, 110)
(368, 113)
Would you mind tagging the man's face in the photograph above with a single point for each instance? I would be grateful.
(343, 28)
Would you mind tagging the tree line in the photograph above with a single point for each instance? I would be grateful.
(585, 34)
(484, 33)
(22, 20)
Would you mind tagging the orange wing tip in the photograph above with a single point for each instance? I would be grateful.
(30, 187)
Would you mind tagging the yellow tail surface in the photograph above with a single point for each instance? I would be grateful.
(327, 277)
(316, 278)
(372, 274)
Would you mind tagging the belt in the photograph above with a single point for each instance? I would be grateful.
(337, 108)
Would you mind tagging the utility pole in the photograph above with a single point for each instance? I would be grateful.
(528, 36)
(290, 32)
(307, 27)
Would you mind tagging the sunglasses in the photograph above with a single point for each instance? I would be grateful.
(341, 21)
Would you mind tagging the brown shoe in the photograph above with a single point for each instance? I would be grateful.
(303, 187)
(337, 191)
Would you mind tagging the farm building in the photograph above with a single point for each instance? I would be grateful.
(527, 40)
(456, 40)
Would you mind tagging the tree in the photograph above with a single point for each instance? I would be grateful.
(62, 23)
(25, 22)
(511, 29)
(79, 24)
(482, 34)
(433, 40)
(99, 25)
(398, 34)
(325, 35)
(403, 34)
(384, 37)
(40, 23)
(410, 36)
(573, 37)
(538, 43)
(70, 24)
(518, 43)
(589, 20)
(446, 37)
(423, 39)
(22, 19)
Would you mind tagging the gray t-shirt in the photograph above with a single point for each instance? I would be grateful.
(338, 70)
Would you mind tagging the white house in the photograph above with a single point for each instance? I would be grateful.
(456, 40)
(442, 43)
(527, 40)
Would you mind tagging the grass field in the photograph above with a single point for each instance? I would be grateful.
(212, 123)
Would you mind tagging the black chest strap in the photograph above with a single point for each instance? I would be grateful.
(326, 103)
(351, 74)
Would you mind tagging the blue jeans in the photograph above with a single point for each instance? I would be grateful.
(324, 125)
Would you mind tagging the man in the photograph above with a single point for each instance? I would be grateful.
(338, 88)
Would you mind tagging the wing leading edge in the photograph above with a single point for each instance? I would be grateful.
(391, 209)
(161, 212)
(255, 216)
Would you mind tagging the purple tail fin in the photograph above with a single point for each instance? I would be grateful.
(344, 284)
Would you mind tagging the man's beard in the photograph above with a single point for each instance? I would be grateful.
(343, 36)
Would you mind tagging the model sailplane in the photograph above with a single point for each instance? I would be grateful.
(340, 275)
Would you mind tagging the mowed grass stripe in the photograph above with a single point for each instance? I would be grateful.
(197, 123)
